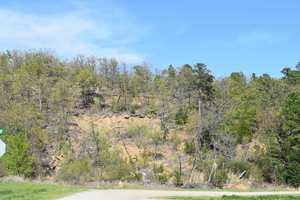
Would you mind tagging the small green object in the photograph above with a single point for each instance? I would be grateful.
(0, 131)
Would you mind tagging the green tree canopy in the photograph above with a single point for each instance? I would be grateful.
(17, 158)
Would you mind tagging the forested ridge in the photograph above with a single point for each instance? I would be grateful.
(214, 126)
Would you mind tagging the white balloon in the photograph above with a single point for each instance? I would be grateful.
(2, 148)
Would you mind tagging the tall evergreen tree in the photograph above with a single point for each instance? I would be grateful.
(17, 158)
(203, 82)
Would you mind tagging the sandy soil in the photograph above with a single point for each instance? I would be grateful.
(147, 194)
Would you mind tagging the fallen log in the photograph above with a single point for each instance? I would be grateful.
(241, 176)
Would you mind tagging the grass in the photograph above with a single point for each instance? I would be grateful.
(32, 191)
(188, 198)
(179, 189)
(234, 197)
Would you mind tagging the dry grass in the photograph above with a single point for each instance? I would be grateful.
(13, 179)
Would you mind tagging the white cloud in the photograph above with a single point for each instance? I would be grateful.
(260, 36)
(70, 34)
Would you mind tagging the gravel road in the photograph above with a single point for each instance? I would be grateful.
(146, 194)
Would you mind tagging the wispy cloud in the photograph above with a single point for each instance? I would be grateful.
(261, 36)
(72, 33)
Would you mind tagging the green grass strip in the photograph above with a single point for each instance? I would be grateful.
(234, 197)
(31, 191)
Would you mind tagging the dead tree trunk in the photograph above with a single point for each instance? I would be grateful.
(124, 145)
(200, 101)
(274, 174)
(212, 169)
(40, 99)
(180, 165)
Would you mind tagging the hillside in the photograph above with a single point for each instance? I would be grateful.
(97, 120)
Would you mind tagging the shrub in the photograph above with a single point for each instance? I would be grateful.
(137, 176)
(221, 178)
(159, 169)
(17, 159)
(244, 130)
(77, 170)
(132, 131)
(134, 176)
(119, 171)
(189, 148)
(240, 166)
(162, 178)
(181, 116)
(153, 107)
(132, 111)
(2, 168)
(145, 159)
(257, 177)
(177, 181)
(176, 140)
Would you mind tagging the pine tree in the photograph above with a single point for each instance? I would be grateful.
(243, 130)
(289, 133)
(177, 181)
(292, 174)
(272, 155)
(17, 158)
(290, 114)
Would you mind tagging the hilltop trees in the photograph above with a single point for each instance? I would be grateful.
(292, 77)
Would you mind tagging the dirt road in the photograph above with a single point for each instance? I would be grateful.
(146, 194)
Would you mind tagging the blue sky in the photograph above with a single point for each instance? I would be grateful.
(228, 36)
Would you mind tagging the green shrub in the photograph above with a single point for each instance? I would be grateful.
(159, 175)
(132, 111)
(239, 166)
(257, 175)
(134, 176)
(153, 109)
(177, 181)
(175, 140)
(145, 159)
(189, 148)
(159, 169)
(181, 116)
(132, 130)
(119, 171)
(221, 175)
(244, 130)
(137, 176)
(2, 168)
(162, 178)
(80, 169)
(17, 159)
(221, 178)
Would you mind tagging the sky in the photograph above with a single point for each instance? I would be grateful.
(249, 36)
